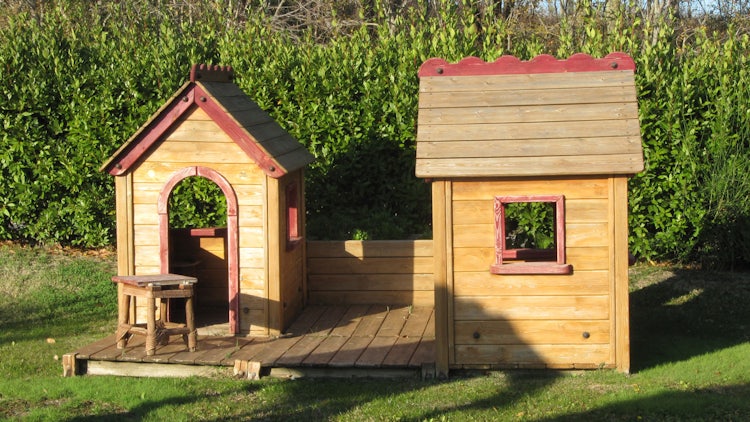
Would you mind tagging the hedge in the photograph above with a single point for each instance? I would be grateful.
(77, 80)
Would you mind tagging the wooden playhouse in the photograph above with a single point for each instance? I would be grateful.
(251, 272)
(563, 134)
(559, 135)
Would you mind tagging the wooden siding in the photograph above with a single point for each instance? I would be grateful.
(370, 272)
(196, 140)
(286, 279)
(202, 256)
(562, 321)
(528, 125)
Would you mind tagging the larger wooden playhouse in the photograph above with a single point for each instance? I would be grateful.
(563, 133)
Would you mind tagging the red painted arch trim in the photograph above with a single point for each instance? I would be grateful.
(233, 252)
(166, 191)
(509, 65)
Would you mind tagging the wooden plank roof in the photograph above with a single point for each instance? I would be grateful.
(543, 117)
(210, 87)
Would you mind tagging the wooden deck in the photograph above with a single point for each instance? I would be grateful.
(326, 339)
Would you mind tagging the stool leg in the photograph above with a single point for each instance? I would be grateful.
(190, 323)
(123, 318)
(150, 327)
(164, 310)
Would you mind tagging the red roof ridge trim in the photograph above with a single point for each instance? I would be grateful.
(510, 65)
(211, 73)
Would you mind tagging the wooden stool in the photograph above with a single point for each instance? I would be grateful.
(155, 287)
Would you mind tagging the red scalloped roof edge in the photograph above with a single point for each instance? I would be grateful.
(509, 65)
(211, 73)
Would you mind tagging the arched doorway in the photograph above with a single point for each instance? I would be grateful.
(230, 234)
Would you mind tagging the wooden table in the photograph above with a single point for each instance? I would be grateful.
(155, 287)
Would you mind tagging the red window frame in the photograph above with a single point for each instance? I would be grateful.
(530, 261)
(293, 236)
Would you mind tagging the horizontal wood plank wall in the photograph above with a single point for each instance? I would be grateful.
(198, 141)
(532, 320)
(370, 272)
(528, 125)
(202, 254)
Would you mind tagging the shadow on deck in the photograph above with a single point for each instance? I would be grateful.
(334, 341)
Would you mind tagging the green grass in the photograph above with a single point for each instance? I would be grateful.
(690, 347)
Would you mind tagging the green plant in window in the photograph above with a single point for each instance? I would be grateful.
(530, 225)
(197, 202)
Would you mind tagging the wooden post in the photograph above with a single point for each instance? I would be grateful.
(124, 204)
(621, 291)
(273, 256)
(190, 321)
(123, 317)
(150, 326)
(70, 366)
(439, 223)
(247, 369)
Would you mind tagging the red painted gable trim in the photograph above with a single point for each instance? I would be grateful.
(181, 104)
(509, 65)
(237, 133)
(130, 155)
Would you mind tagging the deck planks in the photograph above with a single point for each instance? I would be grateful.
(349, 336)
(349, 352)
(401, 353)
(375, 353)
(325, 352)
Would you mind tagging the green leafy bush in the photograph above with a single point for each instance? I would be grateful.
(530, 225)
(77, 80)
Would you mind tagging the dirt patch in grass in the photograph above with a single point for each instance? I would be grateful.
(11, 409)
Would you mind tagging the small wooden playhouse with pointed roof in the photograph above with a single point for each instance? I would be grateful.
(252, 271)
(560, 133)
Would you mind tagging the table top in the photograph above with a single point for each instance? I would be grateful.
(154, 280)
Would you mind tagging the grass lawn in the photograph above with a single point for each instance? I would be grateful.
(690, 354)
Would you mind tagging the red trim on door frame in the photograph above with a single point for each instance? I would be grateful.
(232, 231)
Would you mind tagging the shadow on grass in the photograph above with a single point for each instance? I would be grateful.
(721, 403)
(679, 314)
(675, 315)
(146, 408)
(403, 399)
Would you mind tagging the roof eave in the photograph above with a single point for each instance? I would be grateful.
(118, 164)
(190, 94)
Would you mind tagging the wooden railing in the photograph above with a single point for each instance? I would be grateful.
(387, 272)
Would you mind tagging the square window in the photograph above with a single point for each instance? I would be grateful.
(530, 235)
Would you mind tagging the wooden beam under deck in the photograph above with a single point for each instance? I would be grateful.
(323, 341)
